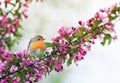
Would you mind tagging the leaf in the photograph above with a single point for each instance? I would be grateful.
(74, 50)
(107, 37)
(82, 29)
(56, 55)
(52, 65)
(96, 22)
(118, 9)
(81, 32)
(48, 44)
(6, 5)
(88, 37)
(111, 18)
(54, 44)
(97, 31)
(68, 39)
(69, 61)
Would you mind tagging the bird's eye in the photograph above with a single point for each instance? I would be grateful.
(38, 39)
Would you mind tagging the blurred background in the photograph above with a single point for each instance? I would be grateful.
(101, 64)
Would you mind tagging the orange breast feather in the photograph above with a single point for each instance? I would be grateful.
(38, 45)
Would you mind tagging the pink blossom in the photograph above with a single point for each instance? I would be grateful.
(83, 39)
(11, 29)
(63, 31)
(115, 37)
(16, 22)
(56, 39)
(7, 56)
(77, 57)
(58, 65)
(32, 79)
(94, 36)
(82, 51)
(7, 1)
(63, 45)
(16, 80)
(13, 68)
(26, 5)
(22, 53)
(3, 81)
(2, 49)
(3, 65)
(73, 30)
(110, 26)
(26, 53)
(25, 62)
(4, 21)
(88, 47)
(27, 82)
(39, 76)
(89, 22)
(24, 13)
(82, 24)
(27, 76)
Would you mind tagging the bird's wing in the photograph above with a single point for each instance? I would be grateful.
(29, 44)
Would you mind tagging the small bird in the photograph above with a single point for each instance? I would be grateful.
(36, 45)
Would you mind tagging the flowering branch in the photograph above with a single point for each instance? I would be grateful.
(71, 45)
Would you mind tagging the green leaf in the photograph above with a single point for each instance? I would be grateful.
(12, 4)
(107, 37)
(118, 9)
(75, 43)
(96, 22)
(82, 29)
(69, 39)
(56, 55)
(97, 31)
(81, 32)
(69, 61)
(88, 37)
(74, 50)
(48, 44)
(104, 27)
(52, 65)
(6, 5)
(54, 44)
(111, 18)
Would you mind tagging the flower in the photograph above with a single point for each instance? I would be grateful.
(3, 65)
(22, 53)
(13, 68)
(115, 37)
(25, 62)
(16, 22)
(58, 65)
(7, 56)
(16, 80)
(32, 79)
(4, 21)
(63, 31)
(63, 45)
(82, 51)
(7, 1)
(77, 57)
(24, 13)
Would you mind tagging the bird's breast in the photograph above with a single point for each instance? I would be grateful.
(38, 45)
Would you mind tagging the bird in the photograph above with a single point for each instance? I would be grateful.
(36, 45)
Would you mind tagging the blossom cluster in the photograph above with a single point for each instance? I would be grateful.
(11, 14)
(71, 45)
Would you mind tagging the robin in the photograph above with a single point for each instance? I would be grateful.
(36, 45)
